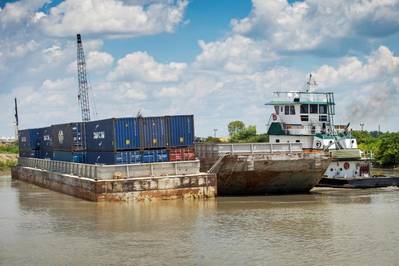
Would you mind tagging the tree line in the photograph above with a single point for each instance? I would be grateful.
(383, 146)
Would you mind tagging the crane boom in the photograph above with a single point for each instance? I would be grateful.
(83, 95)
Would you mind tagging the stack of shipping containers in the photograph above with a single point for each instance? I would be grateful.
(119, 140)
(28, 143)
(113, 141)
(44, 143)
(69, 142)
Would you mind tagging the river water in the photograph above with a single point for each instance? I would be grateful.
(326, 227)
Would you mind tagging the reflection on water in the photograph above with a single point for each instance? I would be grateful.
(330, 227)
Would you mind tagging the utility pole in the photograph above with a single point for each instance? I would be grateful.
(214, 132)
(83, 95)
(362, 125)
(16, 118)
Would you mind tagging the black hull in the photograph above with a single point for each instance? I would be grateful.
(363, 183)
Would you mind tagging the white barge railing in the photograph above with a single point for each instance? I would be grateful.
(217, 149)
(104, 172)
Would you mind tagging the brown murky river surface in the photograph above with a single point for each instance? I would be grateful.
(326, 227)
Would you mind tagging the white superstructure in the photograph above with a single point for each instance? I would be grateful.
(307, 117)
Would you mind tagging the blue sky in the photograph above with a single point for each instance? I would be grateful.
(219, 60)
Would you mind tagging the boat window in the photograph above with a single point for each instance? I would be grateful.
(287, 110)
(304, 108)
(277, 140)
(292, 109)
(313, 108)
(281, 109)
(323, 109)
(297, 141)
(322, 118)
(304, 118)
(277, 108)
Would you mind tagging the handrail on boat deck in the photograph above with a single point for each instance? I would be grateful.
(105, 172)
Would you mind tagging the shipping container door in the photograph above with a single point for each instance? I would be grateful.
(100, 135)
(153, 131)
(127, 134)
(181, 130)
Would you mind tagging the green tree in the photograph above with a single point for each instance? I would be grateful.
(386, 151)
(212, 140)
(235, 127)
(248, 135)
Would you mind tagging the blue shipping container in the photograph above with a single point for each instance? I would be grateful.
(120, 157)
(44, 140)
(68, 137)
(153, 132)
(44, 154)
(28, 139)
(67, 156)
(29, 154)
(154, 156)
(113, 134)
(181, 130)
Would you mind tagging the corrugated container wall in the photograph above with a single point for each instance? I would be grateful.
(153, 132)
(45, 141)
(113, 134)
(68, 137)
(120, 157)
(181, 130)
(181, 154)
(44, 154)
(67, 156)
(154, 156)
(28, 139)
(29, 154)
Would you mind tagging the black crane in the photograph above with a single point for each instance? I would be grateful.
(83, 95)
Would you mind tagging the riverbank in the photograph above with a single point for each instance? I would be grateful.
(7, 160)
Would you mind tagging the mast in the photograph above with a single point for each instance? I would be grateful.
(16, 118)
(83, 95)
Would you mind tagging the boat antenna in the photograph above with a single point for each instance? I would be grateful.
(311, 84)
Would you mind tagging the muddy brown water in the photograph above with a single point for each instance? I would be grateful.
(325, 227)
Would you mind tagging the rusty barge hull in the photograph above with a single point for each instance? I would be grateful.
(179, 186)
(268, 176)
(256, 169)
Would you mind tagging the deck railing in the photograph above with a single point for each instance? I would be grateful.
(217, 149)
(104, 172)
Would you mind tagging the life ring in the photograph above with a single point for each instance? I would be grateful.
(274, 116)
(346, 165)
(318, 144)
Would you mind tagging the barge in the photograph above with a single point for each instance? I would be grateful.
(130, 182)
(262, 168)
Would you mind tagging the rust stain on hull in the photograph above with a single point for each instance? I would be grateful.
(200, 186)
(245, 175)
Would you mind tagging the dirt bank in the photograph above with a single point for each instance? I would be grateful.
(7, 160)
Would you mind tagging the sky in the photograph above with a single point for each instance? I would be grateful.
(219, 60)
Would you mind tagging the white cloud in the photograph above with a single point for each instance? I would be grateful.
(141, 66)
(112, 17)
(234, 54)
(367, 91)
(99, 61)
(380, 64)
(19, 12)
(312, 24)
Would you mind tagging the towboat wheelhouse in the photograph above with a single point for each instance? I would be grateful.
(307, 117)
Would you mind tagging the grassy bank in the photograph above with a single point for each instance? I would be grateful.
(8, 158)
